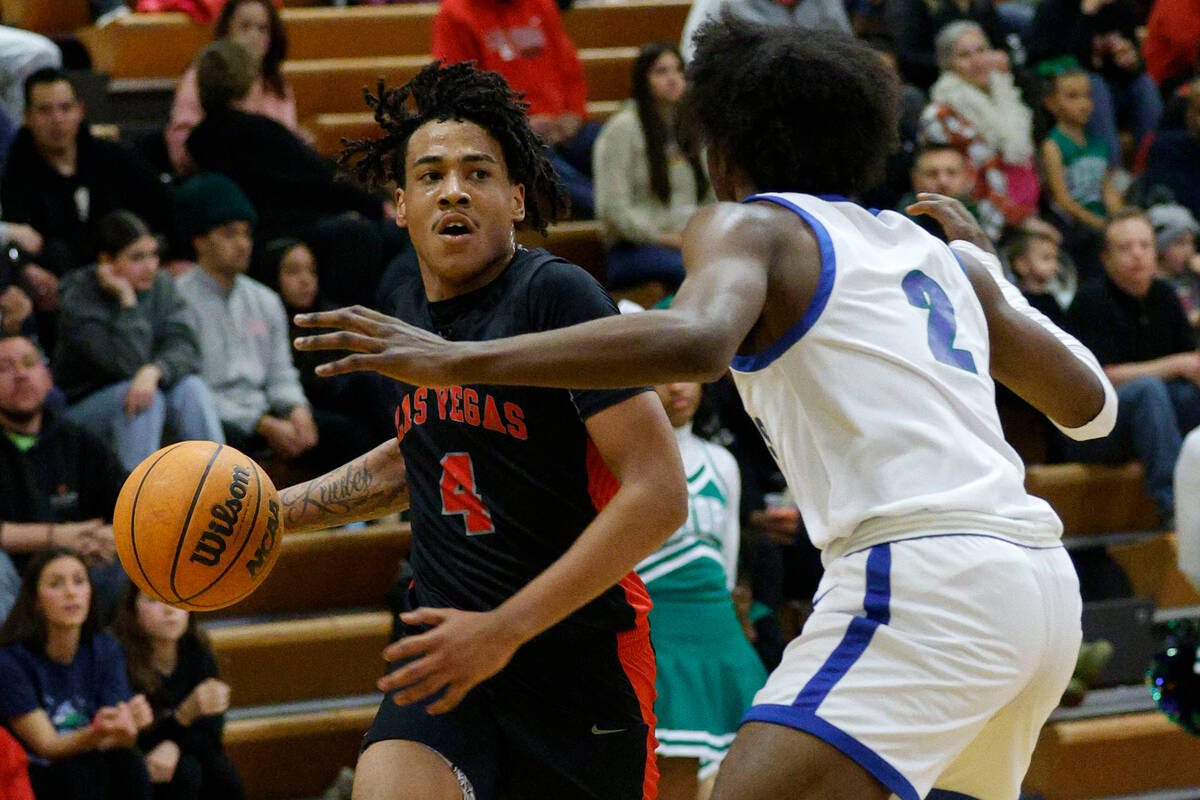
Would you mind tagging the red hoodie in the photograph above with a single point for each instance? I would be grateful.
(1172, 39)
(523, 40)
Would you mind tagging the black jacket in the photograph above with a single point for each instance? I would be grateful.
(35, 193)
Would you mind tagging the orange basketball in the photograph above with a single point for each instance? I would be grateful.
(197, 525)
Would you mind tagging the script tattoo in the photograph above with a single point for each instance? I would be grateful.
(343, 493)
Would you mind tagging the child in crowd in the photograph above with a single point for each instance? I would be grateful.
(1175, 239)
(63, 690)
(707, 671)
(169, 660)
(1075, 166)
(1034, 260)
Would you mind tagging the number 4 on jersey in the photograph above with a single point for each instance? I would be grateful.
(459, 495)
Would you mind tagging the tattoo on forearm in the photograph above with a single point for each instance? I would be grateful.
(352, 488)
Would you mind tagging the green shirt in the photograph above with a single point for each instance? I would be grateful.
(1085, 166)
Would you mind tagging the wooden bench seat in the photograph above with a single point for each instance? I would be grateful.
(331, 569)
(45, 16)
(336, 84)
(330, 129)
(296, 755)
(1093, 498)
(1115, 755)
(162, 45)
(302, 659)
(1153, 568)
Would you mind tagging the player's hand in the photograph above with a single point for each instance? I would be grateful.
(209, 698)
(379, 343)
(162, 761)
(140, 711)
(953, 216)
(461, 649)
(142, 389)
(15, 306)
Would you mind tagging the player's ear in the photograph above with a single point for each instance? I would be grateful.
(401, 209)
(518, 202)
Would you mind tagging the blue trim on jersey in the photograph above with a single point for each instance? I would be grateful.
(757, 361)
(841, 198)
(994, 537)
(862, 755)
(944, 794)
(959, 260)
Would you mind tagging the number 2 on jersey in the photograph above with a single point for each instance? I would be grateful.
(459, 495)
(924, 292)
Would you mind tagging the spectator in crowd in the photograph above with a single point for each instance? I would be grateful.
(63, 690)
(915, 24)
(898, 169)
(525, 41)
(245, 353)
(942, 169)
(1175, 232)
(976, 106)
(647, 184)
(362, 404)
(126, 356)
(170, 661)
(293, 187)
(1172, 42)
(707, 670)
(61, 181)
(1101, 35)
(1173, 162)
(60, 483)
(825, 15)
(257, 26)
(1033, 258)
(16, 307)
(22, 53)
(1134, 323)
(1075, 166)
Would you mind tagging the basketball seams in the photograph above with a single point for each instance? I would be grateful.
(245, 539)
(133, 523)
(188, 520)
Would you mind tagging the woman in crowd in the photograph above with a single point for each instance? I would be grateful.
(361, 404)
(707, 670)
(647, 185)
(256, 24)
(63, 690)
(125, 355)
(977, 108)
(170, 661)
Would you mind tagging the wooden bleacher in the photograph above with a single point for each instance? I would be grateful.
(162, 45)
(1093, 498)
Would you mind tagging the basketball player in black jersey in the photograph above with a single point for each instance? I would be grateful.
(526, 671)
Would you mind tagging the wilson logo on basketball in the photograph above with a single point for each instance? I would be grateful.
(267, 543)
(224, 518)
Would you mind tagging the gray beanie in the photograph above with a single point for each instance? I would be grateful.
(1170, 221)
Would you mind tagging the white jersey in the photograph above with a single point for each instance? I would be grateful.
(877, 403)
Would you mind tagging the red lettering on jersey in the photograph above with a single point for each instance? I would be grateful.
(406, 410)
(516, 421)
(491, 415)
(456, 393)
(471, 406)
(399, 430)
(419, 406)
(441, 400)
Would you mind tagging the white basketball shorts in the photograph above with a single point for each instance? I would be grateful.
(933, 662)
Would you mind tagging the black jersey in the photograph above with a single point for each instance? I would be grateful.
(503, 479)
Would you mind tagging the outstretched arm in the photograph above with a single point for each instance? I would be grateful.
(728, 249)
(373, 485)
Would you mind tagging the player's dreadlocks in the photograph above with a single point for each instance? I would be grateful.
(458, 92)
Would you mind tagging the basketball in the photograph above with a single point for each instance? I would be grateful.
(197, 525)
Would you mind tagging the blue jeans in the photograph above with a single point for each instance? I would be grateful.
(1136, 98)
(10, 584)
(187, 405)
(633, 264)
(1151, 418)
(573, 162)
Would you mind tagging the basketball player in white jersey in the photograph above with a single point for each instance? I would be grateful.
(947, 623)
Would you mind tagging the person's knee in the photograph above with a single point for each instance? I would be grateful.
(403, 770)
